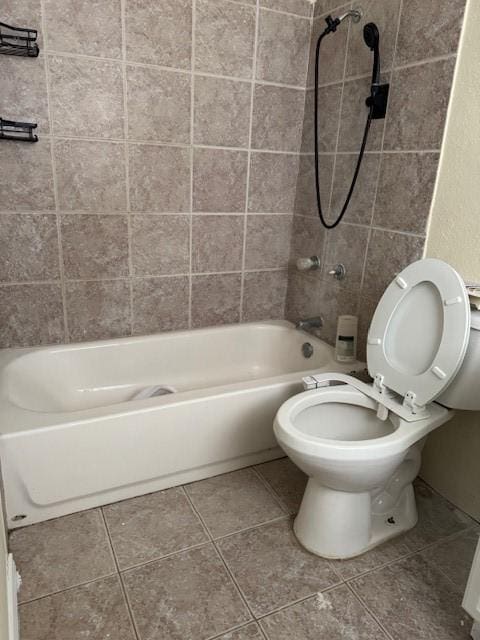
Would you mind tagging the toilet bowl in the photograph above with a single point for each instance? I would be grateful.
(360, 444)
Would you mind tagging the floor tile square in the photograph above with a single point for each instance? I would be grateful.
(233, 501)
(272, 569)
(61, 553)
(286, 480)
(437, 518)
(187, 595)
(151, 526)
(414, 601)
(95, 610)
(454, 557)
(335, 615)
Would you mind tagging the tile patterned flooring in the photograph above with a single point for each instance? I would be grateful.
(218, 559)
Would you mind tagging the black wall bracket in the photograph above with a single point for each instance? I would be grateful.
(379, 100)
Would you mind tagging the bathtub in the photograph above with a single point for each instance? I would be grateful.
(74, 437)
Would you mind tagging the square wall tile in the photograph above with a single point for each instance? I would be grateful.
(332, 55)
(84, 27)
(158, 104)
(283, 48)
(233, 501)
(272, 569)
(299, 7)
(428, 30)
(160, 245)
(385, 15)
(224, 38)
(159, 33)
(353, 117)
(388, 253)
(308, 237)
(151, 526)
(159, 178)
(31, 314)
(98, 310)
(217, 243)
(268, 241)
(405, 190)
(331, 615)
(23, 13)
(277, 118)
(306, 197)
(336, 298)
(328, 117)
(215, 299)
(94, 246)
(61, 553)
(418, 106)
(347, 245)
(303, 294)
(86, 97)
(222, 112)
(84, 185)
(160, 304)
(28, 248)
(189, 595)
(273, 180)
(95, 609)
(219, 180)
(360, 209)
(34, 161)
(264, 295)
(24, 89)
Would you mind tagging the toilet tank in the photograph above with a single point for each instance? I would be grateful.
(464, 390)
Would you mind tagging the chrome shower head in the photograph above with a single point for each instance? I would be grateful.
(354, 14)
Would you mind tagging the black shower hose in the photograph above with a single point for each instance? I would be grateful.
(326, 224)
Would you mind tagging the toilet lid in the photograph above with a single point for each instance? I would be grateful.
(420, 331)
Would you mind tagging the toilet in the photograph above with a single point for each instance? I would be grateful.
(360, 444)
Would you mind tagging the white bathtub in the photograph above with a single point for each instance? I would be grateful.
(72, 438)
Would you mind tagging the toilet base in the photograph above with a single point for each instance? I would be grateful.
(339, 525)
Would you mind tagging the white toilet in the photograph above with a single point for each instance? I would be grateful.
(360, 444)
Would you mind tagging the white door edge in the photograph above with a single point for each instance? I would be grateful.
(13, 584)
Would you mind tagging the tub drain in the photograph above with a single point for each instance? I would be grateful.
(154, 391)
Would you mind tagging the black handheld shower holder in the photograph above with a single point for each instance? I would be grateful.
(378, 100)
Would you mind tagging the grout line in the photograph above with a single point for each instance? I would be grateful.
(70, 588)
(369, 611)
(127, 162)
(61, 265)
(249, 161)
(217, 550)
(120, 579)
(142, 277)
(192, 157)
(285, 13)
(259, 525)
(272, 491)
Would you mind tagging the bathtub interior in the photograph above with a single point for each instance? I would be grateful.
(78, 377)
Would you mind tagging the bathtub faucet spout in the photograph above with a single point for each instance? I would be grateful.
(310, 323)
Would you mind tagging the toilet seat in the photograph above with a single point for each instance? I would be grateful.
(419, 333)
(406, 431)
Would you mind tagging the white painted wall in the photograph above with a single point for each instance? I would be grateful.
(451, 460)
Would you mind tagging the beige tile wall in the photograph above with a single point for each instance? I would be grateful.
(161, 193)
(384, 228)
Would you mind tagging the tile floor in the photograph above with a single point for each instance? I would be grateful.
(218, 559)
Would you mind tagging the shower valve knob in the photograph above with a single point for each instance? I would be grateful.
(338, 272)
(308, 264)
